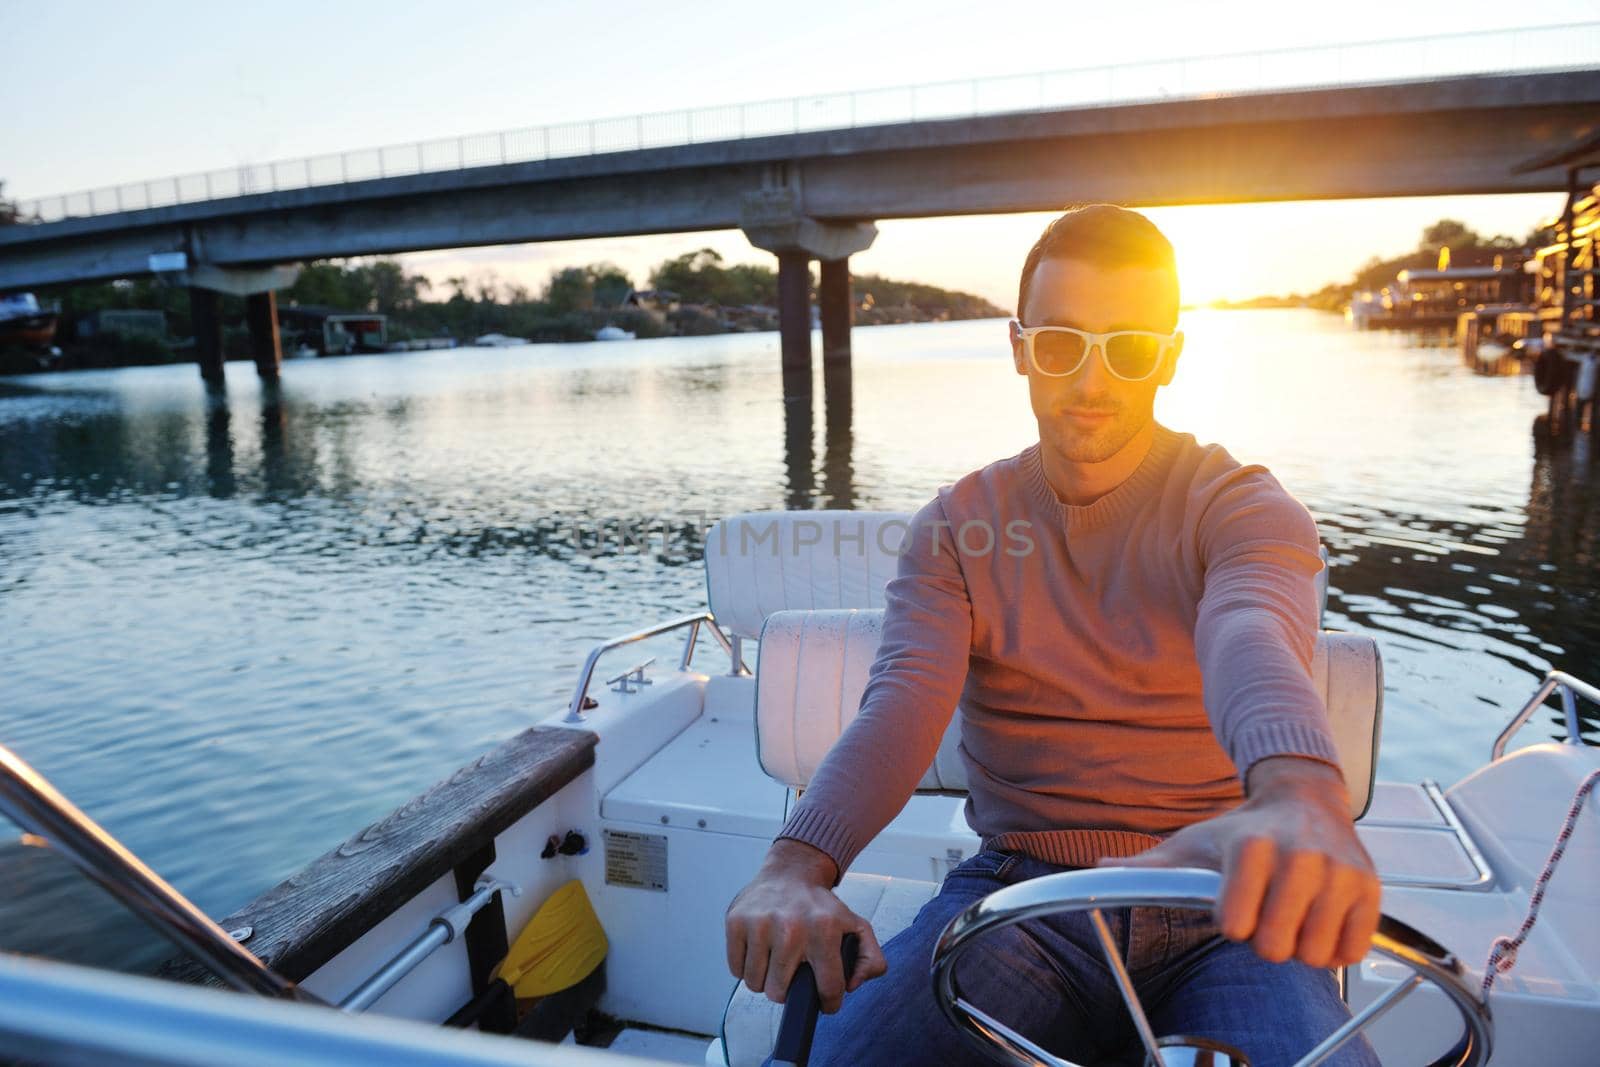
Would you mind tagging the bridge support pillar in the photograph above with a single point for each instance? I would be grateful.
(794, 319)
(257, 285)
(772, 219)
(833, 296)
(261, 312)
(205, 312)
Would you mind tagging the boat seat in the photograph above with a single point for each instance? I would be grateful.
(759, 562)
(814, 667)
(1322, 585)
(750, 1025)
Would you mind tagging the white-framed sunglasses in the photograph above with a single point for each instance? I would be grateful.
(1131, 355)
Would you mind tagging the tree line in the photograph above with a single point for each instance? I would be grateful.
(693, 293)
(699, 294)
(1467, 248)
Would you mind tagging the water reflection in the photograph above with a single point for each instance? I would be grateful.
(240, 625)
(219, 445)
(838, 469)
(833, 486)
(1470, 609)
(799, 458)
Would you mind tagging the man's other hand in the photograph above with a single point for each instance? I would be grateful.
(787, 915)
(1296, 880)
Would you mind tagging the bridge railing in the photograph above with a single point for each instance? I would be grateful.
(1570, 46)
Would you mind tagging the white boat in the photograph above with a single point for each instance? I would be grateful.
(1493, 348)
(499, 340)
(609, 332)
(659, 792)
(24, 321)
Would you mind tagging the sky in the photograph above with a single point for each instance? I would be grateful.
(112, 92)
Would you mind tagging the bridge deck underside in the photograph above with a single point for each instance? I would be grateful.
(1456, 137)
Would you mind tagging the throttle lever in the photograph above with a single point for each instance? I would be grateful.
(800, 1007)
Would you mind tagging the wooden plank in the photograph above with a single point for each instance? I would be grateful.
(310, 917)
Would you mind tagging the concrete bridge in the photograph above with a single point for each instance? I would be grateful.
(815, 194)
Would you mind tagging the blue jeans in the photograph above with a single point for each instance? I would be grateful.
(1047, 978)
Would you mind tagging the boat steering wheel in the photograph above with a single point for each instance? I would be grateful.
(1183, 887)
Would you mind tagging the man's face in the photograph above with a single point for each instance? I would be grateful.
(1089, 416)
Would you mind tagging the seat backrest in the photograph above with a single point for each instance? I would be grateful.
(814, 666)
(1322, 585)
(765, 561)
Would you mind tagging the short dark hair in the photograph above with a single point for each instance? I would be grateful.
(1102, 234)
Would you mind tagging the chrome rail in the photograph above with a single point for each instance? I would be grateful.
(41, 810)
(1571, 688)
(693, 622)
(1482, 880)
(1407, 60)
(1097, 888)
(65, 1015)
(444, 928)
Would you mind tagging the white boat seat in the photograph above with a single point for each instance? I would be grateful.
(759, 562)
(1322, 585)
(814, 666)
(750, 1025)
(765, 561)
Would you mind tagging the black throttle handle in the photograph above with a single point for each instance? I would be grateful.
(800, 1007)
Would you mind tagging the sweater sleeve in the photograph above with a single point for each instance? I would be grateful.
(1257, 623)
(909, 699)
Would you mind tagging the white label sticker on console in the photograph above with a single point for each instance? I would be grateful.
(636, 860)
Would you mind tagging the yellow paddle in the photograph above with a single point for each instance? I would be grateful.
(561, 945)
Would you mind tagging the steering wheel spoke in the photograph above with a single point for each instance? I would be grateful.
(1096, 889)
(1371, 1012)
(1004, 1036)
(1130, 996)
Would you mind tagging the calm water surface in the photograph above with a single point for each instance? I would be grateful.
(236, 633)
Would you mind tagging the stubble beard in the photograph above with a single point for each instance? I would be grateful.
(1096, 446)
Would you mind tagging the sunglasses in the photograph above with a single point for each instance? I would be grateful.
(1131, 355)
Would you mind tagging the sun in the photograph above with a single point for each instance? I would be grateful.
(1220, 251)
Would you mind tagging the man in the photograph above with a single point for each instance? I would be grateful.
(1136, 690)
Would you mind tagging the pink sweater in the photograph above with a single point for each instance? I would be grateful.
(1119, 665)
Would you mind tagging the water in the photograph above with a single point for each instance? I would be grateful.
(236, 635)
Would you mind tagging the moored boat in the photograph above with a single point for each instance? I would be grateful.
(499, 340)
(24, 322)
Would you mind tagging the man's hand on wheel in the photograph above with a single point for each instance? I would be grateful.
(1296, 881)
(787, 915)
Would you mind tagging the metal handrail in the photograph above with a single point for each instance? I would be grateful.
(1538, 48)
(40, 809)
(1571, 688)
(63, 1014)
(1482, 880)
(693, 622)
(444, 928)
